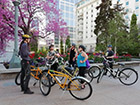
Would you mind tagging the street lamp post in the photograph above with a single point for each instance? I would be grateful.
(15, 61)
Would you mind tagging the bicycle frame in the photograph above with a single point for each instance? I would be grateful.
(37, 70)
(72, 75)
(63, 68)
(60, 74)
(116, 73)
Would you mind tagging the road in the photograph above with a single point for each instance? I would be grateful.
(108, 92)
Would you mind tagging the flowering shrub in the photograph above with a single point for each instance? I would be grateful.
(65, 56)
(40, 53)
(98, 59)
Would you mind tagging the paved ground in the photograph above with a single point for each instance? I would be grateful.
(108, 92)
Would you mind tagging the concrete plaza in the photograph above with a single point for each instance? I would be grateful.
(108, 92)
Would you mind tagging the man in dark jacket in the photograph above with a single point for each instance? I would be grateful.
(110, 55)
(25, 65)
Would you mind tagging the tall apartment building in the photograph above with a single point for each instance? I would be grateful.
(86, 13)
(131, 6)
(67, 8)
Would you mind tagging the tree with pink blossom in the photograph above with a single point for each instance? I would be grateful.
(32, 13)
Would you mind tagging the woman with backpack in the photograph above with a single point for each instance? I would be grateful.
(81, 61)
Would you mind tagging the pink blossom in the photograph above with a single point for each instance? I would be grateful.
(28, 20)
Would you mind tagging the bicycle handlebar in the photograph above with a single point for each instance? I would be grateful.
(56, 60)
(107, 60)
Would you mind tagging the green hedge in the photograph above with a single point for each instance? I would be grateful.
(120, 59)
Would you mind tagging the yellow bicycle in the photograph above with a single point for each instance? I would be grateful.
(79, 87)
(36, 72)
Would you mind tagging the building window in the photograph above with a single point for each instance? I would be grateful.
(137, 0)
(62, 7)
(127, 3)
(91, 15)
(137, 7)
(71, 16)
(91, 10)
(127, 10)
(87, 17)
(87, 12)
(91, 35)
(126, 17)
(67, 8)
(67, 15)
(71, 9)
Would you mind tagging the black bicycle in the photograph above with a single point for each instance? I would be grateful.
(126, 76)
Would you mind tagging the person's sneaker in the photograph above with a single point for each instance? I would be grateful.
(28, 92)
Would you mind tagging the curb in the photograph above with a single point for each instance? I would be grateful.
(8, 73)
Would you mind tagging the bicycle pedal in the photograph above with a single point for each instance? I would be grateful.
(39, 76)
(110, 76)
(34, 84)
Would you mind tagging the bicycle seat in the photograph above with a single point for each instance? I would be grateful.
(122, 64)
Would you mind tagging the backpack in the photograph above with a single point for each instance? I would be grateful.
(87, 64)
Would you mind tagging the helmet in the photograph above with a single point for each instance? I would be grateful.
(26, 36)
(51, 46)
(73, 44)
(83, 47)
(109, 46)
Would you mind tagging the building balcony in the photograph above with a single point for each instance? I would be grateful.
(80, 31)
(80, 22)
(80, 18)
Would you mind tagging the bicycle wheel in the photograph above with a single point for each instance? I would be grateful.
(52, 81)
(100, 76)
(89, 75)
(44, 84)
(76, 90)
(17, 79)
(95, 70)
(128, 76)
